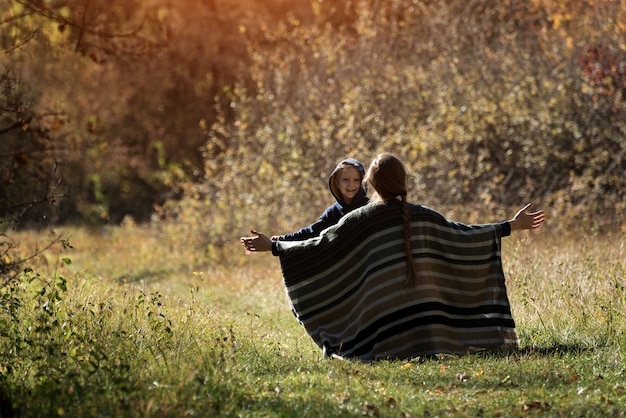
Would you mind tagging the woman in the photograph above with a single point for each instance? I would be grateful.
(398, 280)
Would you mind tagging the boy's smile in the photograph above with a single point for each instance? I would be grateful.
(349, 183)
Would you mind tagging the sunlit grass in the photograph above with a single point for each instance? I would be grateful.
(567, 289)
(147, 328)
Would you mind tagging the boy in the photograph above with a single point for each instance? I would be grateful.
(345, 183)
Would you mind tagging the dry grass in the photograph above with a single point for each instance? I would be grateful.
(147, 328)
(570, 288)
(556, 282)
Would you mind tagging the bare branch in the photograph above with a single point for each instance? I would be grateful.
(83, 26)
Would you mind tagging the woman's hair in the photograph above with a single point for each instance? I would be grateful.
(388, 177)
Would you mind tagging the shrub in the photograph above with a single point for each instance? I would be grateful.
(489, 104)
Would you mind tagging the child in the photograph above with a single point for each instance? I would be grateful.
(345, 183)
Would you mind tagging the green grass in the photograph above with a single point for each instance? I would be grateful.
(137, 325)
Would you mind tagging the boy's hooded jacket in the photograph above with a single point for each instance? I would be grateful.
(333, 213)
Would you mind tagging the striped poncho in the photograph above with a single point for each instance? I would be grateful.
(347, 286)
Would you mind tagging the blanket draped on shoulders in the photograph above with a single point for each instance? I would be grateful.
(347, 286)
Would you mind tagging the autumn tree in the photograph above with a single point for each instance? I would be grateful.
(49, 50)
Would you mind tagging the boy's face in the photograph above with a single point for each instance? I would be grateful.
(349, 183)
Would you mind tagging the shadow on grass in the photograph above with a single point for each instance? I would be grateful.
(553, 350)
(149, 276)
(556, 349)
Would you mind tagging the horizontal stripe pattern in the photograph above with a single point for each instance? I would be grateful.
(347, 286)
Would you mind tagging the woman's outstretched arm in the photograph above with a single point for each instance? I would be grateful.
(527, 220)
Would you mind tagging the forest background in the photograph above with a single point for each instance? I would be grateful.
(206, 117)
(139, 139)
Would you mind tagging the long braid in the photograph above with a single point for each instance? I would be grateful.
(387, 176)
(411, 270)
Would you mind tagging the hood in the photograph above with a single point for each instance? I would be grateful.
(333, 189)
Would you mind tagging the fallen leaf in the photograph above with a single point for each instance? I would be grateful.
(369, 410)
(535, 405)
(462, 377)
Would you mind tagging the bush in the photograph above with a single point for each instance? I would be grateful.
(490, 105)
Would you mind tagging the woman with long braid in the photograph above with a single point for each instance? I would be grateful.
(387, 176)
(398, 280)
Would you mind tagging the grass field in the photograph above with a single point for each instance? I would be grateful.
(130, 322)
